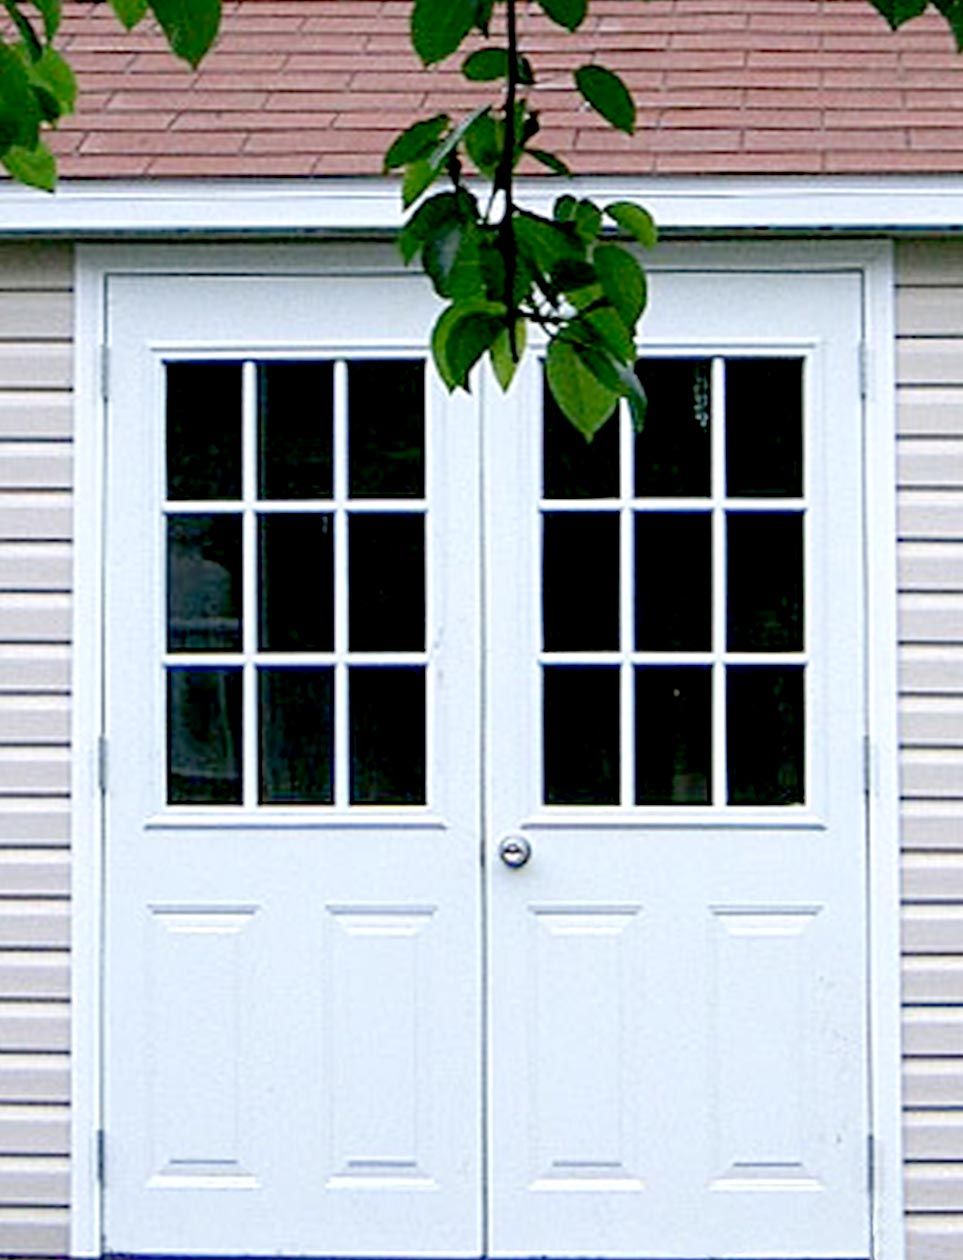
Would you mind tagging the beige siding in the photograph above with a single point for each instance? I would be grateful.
(36, 313)
(930, 375)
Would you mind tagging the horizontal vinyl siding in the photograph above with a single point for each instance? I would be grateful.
(36, 314)
(930, 558)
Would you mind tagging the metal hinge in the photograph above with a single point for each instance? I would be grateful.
(870, 1163)
(863, 370)
(867, 766)
(105, 372)
(102, 764)
(101, 1157)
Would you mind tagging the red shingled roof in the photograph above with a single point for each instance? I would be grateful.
(319, 87)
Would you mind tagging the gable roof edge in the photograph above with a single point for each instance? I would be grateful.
(96, 208)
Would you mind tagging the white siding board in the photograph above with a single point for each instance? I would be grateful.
(930, 411)
(919, 361)
(931, 980)
(933, 1082)
(25, 974)
(925, 721)
(36, 365)
(929, 877)
(33, 1078)
(45, 266)
(39, 771)
(36, 465)
(35, 516)
(34, 719)
(930, 262)
(934, 1187)
(40, 667)
(923, 566)
(930, 515)
(929, 462)
(925, 669)
(34, 1129)
(34, 923)
(35, 567)
(25, 414)
(34, 617)
(41, 1180)
(40, 1025)
(35, 872)
(33, 821)
(34, 1232)
(43, 316)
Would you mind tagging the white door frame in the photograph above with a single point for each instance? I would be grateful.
(873, 261)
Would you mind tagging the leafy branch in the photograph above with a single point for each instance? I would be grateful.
(502, 268)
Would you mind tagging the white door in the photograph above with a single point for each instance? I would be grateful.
(362, 640)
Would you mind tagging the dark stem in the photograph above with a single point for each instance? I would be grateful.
(506, 178)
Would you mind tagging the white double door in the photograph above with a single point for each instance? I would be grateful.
(358, 634)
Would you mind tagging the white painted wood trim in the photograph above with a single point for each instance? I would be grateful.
(86, 812)
(874, 260)
(684, 204)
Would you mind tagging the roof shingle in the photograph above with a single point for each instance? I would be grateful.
(317, 87)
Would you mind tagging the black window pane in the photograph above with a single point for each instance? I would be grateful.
(204, 430)
(204, 583)
(296, 736)
(580, 581)
(764, 427)
(765, 581)
(673, 736)
(204, 737)
(386, 429)
(386, 582)
(581, 735)
(765, 715)
(572, 467)
(672, 453)
(387, 708)
(673, 581)
(295, 426)
(296, 592)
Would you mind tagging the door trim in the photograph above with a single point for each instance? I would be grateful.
(94, 263)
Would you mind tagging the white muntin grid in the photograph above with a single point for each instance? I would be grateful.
(341, 658)
(717, 505)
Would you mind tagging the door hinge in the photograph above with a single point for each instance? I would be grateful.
(870, 1163)
(105, 372)
(863, 370)
(102, 764)
(867, 766)
(101, 1156)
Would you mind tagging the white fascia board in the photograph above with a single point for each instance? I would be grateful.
(321, 206)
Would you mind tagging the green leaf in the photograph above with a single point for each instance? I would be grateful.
(438, 27)
(634, 220)
(604, 328)
(416, 142)
(554, 164)
(503, 364)
(483, 15)
(50, 12)
(623, 282)
(608, 95)
(584, 400)
(191, 26)
(570, 274)
(545, 241)
(462, 334)
(896, 12)
(486, 64)
(419, 176)
(587, 220)
(481, 144)
(36, 167)
(129, 12)
(526, 75)
(565, 206)
(19, 111)
(32, 44)
(567, 13)
(53, 75)
(634, 392)
(428, 219)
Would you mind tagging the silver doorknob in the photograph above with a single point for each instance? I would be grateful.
(514, 851)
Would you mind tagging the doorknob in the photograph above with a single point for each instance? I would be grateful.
(514, 851)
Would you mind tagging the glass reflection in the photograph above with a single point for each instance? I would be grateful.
(765, 715)
(203, 430)
(296, 709)
(672, 453)
(204, 583)
(673, 735)
(387, 721)
(295, 424)
(386, 428)
(764, 427)
(580, 725)
(580, 581)
(764, 565)
(296, 597)
(204, 737)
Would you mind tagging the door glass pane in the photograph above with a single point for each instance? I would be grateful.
(296, 582)
(765, 578)
(386, 582)
(203, 430)
(580, 722)
(766, 735)
(204, 745)
(580, 580)
(296, 708)
(386, 429)
(764, 418)
(673, 581)
(387, 720)
(673, 735)
(573, 468)
(204, 582)
(295, 425)
(672, 453)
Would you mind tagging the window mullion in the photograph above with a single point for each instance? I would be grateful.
(341, 593)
